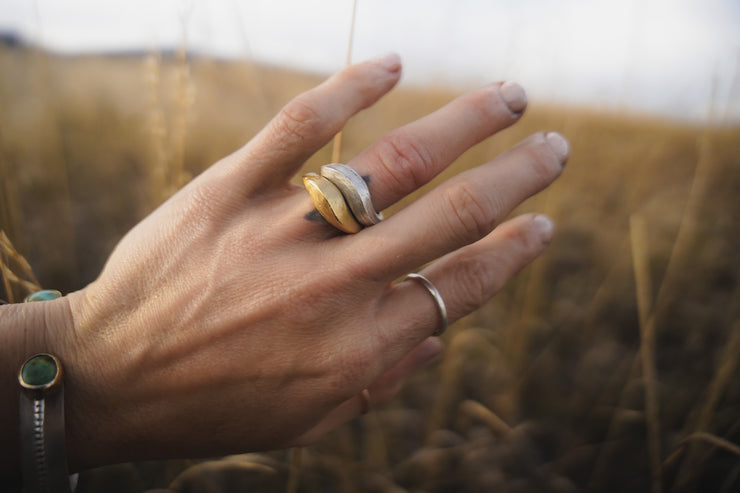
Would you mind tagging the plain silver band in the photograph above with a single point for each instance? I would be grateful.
(437, 299)
(355, 191)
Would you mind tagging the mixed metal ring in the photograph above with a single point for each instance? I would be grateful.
(355, 191)
(342, 197)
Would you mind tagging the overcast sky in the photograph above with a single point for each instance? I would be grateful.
(670, 57)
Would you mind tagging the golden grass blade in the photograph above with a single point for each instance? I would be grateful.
(9, 214)
(687, 231)
(638, 235)
(686, 237)
(715, 440)
(7, 248)
(182, 102)
(376, 442)
(337, 147)
(296, 454)
(602, 462)
(157, 127)
(4, 270)
(481, 413)
(724, 375)
(10, 262)
(464, 344)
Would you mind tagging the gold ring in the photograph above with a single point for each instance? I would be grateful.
(330, 203)
(364, 401)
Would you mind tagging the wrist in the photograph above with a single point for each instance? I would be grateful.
(99, 424)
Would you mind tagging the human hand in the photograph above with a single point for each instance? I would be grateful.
(232, 319)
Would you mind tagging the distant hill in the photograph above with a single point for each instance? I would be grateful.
(11, 39)
(14, 40)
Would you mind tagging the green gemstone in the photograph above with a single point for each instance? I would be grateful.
(39, 370)
(44, 295)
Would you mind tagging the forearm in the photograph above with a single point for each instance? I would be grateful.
(25, 329)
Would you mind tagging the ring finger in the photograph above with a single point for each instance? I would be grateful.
(466, 279)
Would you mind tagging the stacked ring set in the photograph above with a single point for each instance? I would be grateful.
(341, 196)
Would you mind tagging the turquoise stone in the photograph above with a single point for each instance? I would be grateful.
(44, 295)
(39, 370)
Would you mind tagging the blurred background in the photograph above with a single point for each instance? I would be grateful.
(610, 363)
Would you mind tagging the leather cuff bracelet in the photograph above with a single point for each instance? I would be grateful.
(43, 447)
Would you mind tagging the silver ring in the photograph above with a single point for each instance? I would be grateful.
(355, 191)
(437, 299)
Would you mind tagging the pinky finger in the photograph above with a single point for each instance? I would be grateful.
(379, 392)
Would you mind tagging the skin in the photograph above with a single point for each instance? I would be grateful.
(233, 319)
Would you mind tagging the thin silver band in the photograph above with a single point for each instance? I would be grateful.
(437, 299)
(355, 191)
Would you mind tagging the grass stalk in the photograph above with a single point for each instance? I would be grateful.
(685, 451)
(294, 472)
(638, 235)
(685, 238)
(688, 227)
(9, 214)
(336, 150)
(714, 440)
(157, 128)
(295, 454)
(59, 170)
(726, 372)
(10, 262)
(183, 98)
(603, 457)
(376, 443)
(483, 414)
(461, 347)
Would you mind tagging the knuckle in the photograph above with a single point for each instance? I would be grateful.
(524, 241)
(354, 76)
(476, 284)
(367, 81)
(469, 214)
(298, 119)
(487, 104)
(405, 162)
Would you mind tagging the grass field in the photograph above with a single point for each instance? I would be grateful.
(611, 364)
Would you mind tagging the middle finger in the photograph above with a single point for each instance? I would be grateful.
(412, 155)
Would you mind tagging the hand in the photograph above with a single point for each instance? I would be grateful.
(232, 319)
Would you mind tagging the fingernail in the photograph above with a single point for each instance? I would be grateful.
(544, 226)
(391, 62)
(559, 146)
(514, 96)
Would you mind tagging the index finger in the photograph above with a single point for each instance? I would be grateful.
(306, 124)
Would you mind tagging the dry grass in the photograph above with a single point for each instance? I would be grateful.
(610, 364)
